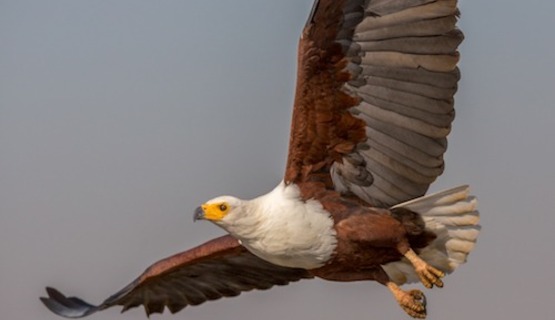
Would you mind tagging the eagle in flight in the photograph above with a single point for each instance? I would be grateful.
(373, 107)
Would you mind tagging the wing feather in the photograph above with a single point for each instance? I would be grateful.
(436, 79)
(408, 55)
(400, 58)
(383, 7)
(408, 12)
(218, 268)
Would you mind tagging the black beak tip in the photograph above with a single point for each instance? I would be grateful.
(199, 214)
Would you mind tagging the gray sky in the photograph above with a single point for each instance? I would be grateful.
(117, 118)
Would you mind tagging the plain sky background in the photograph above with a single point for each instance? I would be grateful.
(118, 118)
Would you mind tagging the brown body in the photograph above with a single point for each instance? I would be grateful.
(367, 237)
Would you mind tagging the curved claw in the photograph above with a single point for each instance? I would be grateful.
(71, 307)
(430, 276)
(414, 304)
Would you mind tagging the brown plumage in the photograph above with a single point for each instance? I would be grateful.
(207, 272)
(322, 129)
(373, 107)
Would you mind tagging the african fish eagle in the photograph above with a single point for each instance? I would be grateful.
(373, 107)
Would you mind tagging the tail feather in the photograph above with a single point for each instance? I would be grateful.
(452, 216)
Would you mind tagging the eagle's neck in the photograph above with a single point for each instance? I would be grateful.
(281, 228)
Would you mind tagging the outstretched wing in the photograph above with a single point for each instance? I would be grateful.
(374, 99)
(218, 268)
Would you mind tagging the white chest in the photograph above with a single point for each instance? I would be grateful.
(289, 232)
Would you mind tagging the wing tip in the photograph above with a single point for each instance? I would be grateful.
(71, 307)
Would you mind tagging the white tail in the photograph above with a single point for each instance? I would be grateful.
(452, 216)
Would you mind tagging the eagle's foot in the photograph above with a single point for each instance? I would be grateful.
(413, 302)
(429, 276)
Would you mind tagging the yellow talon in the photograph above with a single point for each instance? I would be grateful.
(429, 276)
(413, 302)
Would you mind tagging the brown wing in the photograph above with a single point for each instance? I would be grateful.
(218, 268)
(374, 99)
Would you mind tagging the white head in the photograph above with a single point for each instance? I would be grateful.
(223, 211)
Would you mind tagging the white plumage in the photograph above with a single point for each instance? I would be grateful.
(280, 228)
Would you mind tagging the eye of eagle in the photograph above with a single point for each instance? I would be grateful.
(223, 207)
